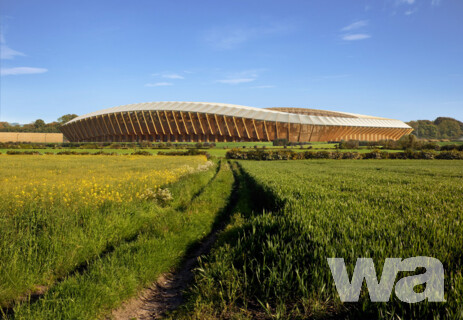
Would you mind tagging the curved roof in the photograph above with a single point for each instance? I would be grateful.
(323, 113)
(253, 113)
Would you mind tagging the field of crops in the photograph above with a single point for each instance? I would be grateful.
(272, 259)
(81, 234)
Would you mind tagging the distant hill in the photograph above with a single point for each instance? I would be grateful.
(440, 128)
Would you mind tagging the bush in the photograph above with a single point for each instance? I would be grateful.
(428, 154)
(188, 152)
(351, 155)
(115, 146)
(450, 147)
(14, 152)
(162, 196)
(375, 154)
(102, 153)
(91, 146)
(450, 155)
(351, 144)
(280, 142)
(141, 153)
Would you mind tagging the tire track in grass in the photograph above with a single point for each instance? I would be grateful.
(166, 294)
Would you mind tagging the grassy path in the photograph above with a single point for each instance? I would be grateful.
(166, 294)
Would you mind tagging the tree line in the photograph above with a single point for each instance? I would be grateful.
(441, 128)
(37, 126)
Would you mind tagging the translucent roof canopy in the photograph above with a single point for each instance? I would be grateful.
(253, 113)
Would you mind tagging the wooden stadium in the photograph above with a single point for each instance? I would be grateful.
(216, 122)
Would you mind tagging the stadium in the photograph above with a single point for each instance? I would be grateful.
(214, 122)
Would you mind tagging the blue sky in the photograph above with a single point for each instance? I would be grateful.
(401, 59)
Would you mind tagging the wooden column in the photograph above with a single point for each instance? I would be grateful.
(255, 129)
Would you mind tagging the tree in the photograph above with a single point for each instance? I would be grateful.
(408, 142)
(67, 117)
(427, 130)
(441, 128)
(39, 123)
(449, 129)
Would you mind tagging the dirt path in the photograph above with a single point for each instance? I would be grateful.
(167, 293)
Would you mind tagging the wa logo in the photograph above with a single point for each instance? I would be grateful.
(349, 291)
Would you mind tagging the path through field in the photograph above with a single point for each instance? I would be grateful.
(166, 294)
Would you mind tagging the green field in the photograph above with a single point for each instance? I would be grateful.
(271, 262)
(82, 234)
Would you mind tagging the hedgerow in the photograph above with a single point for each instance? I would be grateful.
(239, 154)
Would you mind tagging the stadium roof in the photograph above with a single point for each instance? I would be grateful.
(253, 113)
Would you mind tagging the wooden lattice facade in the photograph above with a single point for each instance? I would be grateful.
(190, 122)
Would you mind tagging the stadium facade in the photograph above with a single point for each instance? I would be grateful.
(212, 122)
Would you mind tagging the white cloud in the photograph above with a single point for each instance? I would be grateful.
(159, 84)
(172, 76)
(225, 40)
(357, 36)
(355, 25)
(6, 52)
(230, 37)
(168, 75)
(264, 87)
(435, 2)
(241, 77)
(236, 80)
(410, 12)
(21, 70)
(406, 1)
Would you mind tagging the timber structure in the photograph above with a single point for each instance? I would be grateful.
(214, 122)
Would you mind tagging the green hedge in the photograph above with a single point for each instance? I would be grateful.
(376, 154)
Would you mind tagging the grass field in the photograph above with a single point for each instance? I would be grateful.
(271, 261)
(82, 234)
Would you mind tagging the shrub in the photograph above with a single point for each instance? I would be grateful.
(115, 146)
(91, 146)
(351, 144)
(450, 155)
(450, 147)
(141, 153)
(161, 196)
(14, 152)
(350, 155)
(189, 152)
(260, 154)
(102, 153)
(428, 154)
(323, 155)
(375, 154)
(280, 142)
